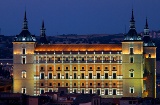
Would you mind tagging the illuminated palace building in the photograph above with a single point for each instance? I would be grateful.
(127, 69)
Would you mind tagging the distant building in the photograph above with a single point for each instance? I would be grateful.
(109, 70)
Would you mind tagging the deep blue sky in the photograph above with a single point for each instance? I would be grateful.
(78, 16)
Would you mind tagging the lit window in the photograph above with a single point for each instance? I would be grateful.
(131, 59)
(24, 90)
(131, 89)
(23, 74)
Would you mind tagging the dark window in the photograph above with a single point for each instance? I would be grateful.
(106, 91)
(66, 84)
(131, 74)
(98, 92)
(66, 59)
(75, 76)
(24, 91)
(74, 59)
(82, 91)
(114, 91)
(149, 56)
(42, 91)
(114, 68)
(131, 50)
(99, 84)
(106, 84)
(98, 59)
(131, 59)
(106, 75)
(90, 84)
(74, 68)
(59, 84)
(50, 90)
(75, 91)
(106, 68)
(42, 84)
(114, 75)
(59, 68)
(66, 75)
(50, 75)
(24, 61)
(82, 84)
(24, 51)
(130, 102)
(82, 59)
(82, 68)
(50, 68)
(131, 90)
(42, 75)
(58, 75)
(98, 68)
(74, 84)
(90, 68)
(66, 68)
(114, 84)
(58, 59)
(90, 75)
(98, 75)
(82, 75)
(50, 84)
(90, 91)
(41, 68)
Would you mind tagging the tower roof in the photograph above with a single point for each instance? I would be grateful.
(132, 33)
(25, 35)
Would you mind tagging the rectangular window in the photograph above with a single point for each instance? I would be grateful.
(90, 75)
(106, 91)
(82, 68)
(114, 75)
(66, 59)
(74, 68)
(24, 51)
(74, 84)
(131, 89)
(58, 75)
(106, 84)
(131, 50)
(50, 84)
(50, 76)
(42, 84)
(66, 84)
(131, 59)
(98, 76)
(82, 75)
(42, 76)
(66, 68)
(82, 59)
(24, 90)
(58, 59)
(59, 84)
(23, 60)
(59, 68)
(149, 55)
(82, 84)
(23, 74)
(66, 75)
(75, 76)
(90, 84)
(131, 74)
(106, 75)
(114, 91)
(99, 84)
(42, 91)
(74, 59)
(98, 91)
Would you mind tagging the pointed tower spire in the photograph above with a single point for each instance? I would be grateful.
(132, 21)
(43, 39)
(146, 29)
(25, 23)
(43, 30)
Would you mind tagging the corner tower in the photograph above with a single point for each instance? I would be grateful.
(149, 64)
(23, 58)
(132, 62)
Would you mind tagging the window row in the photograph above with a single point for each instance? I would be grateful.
(82, 76)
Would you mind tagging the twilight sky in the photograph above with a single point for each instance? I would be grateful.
(78, 16)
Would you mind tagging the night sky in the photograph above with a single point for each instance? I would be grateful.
(78, 16)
